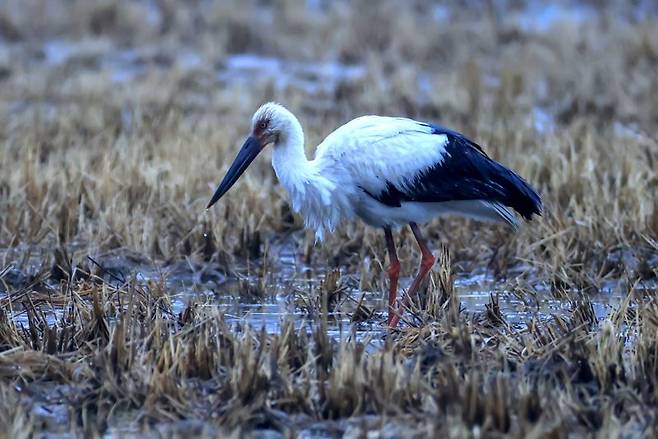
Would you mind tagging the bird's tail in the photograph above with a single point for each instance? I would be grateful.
(519, 195)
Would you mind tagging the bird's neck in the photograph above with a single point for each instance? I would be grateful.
(311, 192)
(289, 159)
(310, 183)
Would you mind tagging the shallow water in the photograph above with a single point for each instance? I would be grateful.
(290, 290)
(312, 78)
(292, 283)
(277, 299)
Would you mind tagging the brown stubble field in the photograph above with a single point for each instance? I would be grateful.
(117, 120)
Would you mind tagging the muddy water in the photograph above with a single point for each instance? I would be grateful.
(290, 289)
(293, 284)
(265, 301)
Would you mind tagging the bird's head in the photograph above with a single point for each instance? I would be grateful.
(270, 125)
(270, 122)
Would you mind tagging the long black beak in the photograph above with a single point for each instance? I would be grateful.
(247, 154)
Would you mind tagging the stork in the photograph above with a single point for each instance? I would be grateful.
(389, 172)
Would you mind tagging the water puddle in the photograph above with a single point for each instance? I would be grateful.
(290, 290)
(124, 65)
(312, 78)
(541, 17)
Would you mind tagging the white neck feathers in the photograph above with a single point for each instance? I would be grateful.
(311, 192)
(288, 158)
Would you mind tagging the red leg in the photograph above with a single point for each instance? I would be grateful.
(393, 272)
(426, 263)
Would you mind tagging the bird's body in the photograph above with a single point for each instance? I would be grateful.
(387, 171)
(392, 171)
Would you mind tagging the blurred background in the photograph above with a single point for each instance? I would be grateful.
(422, 57)
(555, 60)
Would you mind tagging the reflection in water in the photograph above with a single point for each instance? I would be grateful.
(289, 289)
(290, 285)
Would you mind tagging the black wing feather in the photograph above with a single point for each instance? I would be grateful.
(466, 173)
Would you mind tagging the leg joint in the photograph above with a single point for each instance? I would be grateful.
(394, 268)
(427, 261)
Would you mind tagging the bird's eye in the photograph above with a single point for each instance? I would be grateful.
(262, 125)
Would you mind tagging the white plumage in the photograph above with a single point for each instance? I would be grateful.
(365, 154)
(387, 171)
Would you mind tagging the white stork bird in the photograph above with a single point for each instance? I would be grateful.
(387, 171)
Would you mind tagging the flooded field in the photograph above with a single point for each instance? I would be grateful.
(127, 309)
(278, 296)
(282, 288)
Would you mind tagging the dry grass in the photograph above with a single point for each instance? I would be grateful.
(121, 361)
(118, 143)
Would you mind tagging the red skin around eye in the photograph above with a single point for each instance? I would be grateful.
(259, 130)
